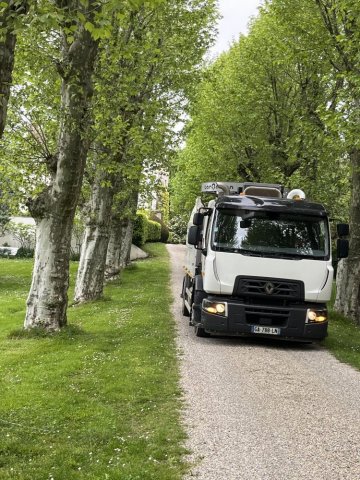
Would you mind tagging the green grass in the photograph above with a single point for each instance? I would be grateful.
(100, 400)
(344, 337)
(344, 340)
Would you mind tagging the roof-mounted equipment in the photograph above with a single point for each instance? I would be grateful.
(273, 190)
(296, 194)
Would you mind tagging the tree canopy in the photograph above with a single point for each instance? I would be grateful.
(264, 112)
(97, 89)
(282, 105)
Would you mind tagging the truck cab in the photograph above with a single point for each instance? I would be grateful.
(258, 264)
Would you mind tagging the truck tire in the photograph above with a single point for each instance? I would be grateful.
(195, 314)
(200, 332)
(185, 312)
(195, 318)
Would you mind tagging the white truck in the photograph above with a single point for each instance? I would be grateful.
(259, 263)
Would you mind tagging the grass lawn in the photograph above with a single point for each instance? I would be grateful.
(343, 340)
(100, 400)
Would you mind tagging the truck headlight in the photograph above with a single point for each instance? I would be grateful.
(316, 316)
(217, 308)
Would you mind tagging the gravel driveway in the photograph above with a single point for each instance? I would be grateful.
(265, 410)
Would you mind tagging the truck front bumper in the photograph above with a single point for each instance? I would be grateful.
(261, 320)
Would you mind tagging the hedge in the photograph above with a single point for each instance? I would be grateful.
(145, 230)
(164, 228)
(154, 231)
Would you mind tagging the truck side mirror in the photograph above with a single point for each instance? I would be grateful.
(342, 229)
(342, 248)
(194, 235)
(198, 219)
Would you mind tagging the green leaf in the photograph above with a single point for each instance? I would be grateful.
(89, 27)
(81, 17)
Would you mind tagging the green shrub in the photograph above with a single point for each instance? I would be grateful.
(23, 233)
(24, 252)
(164, 228)
(154, 231)
(178, 228)
(140, 232)
(145, 230)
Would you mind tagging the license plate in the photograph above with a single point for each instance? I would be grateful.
(266, 330)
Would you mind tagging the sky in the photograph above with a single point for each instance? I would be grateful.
(236, 15)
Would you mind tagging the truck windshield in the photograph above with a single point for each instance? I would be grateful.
(270, 234)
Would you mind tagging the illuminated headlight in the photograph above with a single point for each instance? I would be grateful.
(316, 316)
(217, 308)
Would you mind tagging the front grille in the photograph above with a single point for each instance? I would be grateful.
(270, 288)
(266, 316)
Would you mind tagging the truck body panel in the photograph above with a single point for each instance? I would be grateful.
(228, 266)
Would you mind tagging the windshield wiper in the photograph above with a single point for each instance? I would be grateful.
(290, 256)
(254, 253)
(257, 253)
(251, 253)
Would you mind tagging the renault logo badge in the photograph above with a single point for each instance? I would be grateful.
(269, 288)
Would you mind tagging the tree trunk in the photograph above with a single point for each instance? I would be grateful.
(341, 285)
(91, 271)
(54, 209)
(348, 280)
(7, 55)
(126, 241)
(47, 301)
(121, 233)
(118, 254)
(113, 267)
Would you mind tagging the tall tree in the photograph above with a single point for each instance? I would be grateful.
(256, 118)
(121, 63)
(161, 50)
(67, 36)
(54, 208)
(10, 11)
(341, 19)
(331, 28)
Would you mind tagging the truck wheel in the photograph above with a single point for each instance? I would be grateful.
(200, 332)
(185, 312)
(195, 314)
(194, 317)
(195, 320)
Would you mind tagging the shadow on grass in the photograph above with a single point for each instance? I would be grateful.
(103, 299)
(70, 331)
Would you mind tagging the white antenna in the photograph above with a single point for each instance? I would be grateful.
(296, 194)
